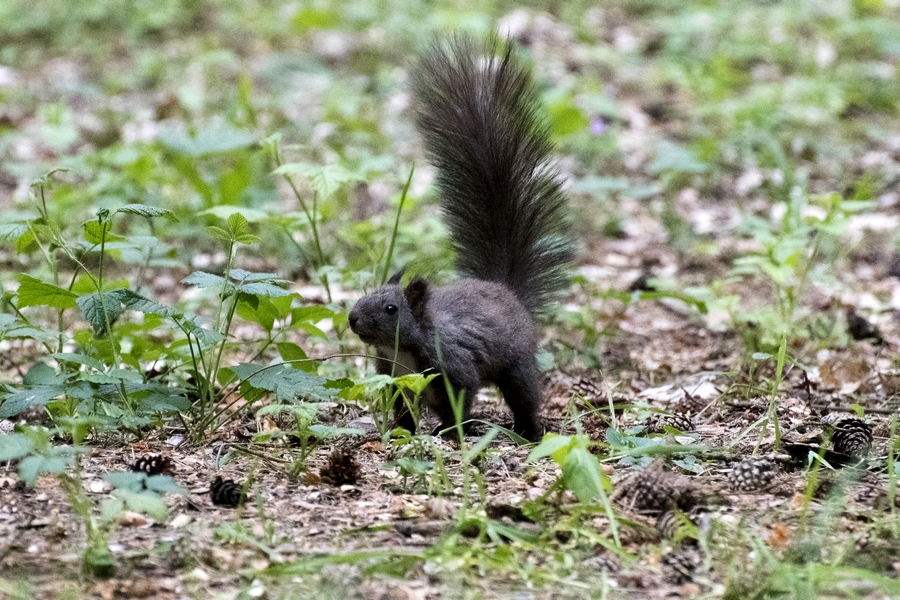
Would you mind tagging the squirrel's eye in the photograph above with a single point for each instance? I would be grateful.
(390, 309)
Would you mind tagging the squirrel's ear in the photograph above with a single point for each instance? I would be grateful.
(416, 294)
(396, 277)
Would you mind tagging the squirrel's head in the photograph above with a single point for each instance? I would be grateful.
(391, 312)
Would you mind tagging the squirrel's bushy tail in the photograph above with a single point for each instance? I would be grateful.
(478, 115)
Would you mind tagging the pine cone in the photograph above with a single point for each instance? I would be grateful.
(588, 388)
(227, 493)
(680, 566)
(654, 490)
(153, 464)
(341, 468)
(606, 561)
(751, 474)
(658, 422)
(852, 437)
(689, 405)
(675, 525)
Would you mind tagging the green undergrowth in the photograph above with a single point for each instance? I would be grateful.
(192, 193)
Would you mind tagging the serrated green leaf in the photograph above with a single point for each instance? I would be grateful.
(218, 233)
(223, 212)
(147, 212)
(79, 359)
(246, 238)
(137, 302)
(14, 445)
(202, 279)
(34, 292)
(209, 140)
(92, 307)
(237, 224)
(25, 241)
(12, 231)
(18, 401)
(259, 284)
(205, 336)
(287, 383)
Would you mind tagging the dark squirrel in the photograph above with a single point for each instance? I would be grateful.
(477, 112)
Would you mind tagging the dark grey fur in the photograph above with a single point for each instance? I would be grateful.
(500, 194)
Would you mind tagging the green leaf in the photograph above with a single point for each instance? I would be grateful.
(18, 401)
(218, 233)
(259, 284)
(148, 212)
(41, 374)
(14, 445)
(126, 480)
(94, 232)
(164, 484)
(12, 231)
(79, 359)
(551, 444)
(291, 351)
(146, 503)
(582, 475)
(92, 306)
(257, 310)
(310, 314)
(204, 280)
(137, 302)
(205, 336)
(34, 292)
(32, 466)
(287, 383)
(223, 212)
(209, 140)
(324, 179)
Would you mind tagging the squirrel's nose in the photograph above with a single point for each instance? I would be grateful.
(354, 319)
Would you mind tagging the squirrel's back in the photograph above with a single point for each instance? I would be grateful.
(478, 115)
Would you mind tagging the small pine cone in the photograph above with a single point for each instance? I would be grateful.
(751, 474)
(674, 525)
(654, 490)
(227, 493)
(658, 422)
(680, 566)
(153, 464)
(341, 468)
(607, 561)
(588, 388)
(689, 405)
(852, 437)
